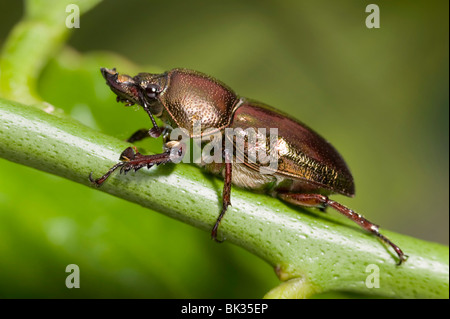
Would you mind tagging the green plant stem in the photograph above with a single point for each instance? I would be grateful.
(36, 38)
(310, 252)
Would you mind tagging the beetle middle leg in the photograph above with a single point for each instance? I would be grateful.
(143, 133)
(139, 135)
(321, 201)
(131, 159)
(226, 194)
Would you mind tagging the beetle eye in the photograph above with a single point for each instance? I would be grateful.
(152, 91)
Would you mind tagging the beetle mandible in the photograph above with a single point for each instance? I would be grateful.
(309, 168)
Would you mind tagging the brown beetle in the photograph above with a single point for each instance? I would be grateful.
(308, 167)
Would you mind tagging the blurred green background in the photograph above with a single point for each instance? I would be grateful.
(379, 95)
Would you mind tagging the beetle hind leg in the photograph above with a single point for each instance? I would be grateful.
(321, 202)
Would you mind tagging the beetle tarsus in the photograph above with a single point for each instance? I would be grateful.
(318, 201)
(401, 256)
(132, 159)
(99, 181)
(214, 233)
(91, 179)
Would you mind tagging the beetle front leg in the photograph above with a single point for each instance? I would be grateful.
(131, 159)
(321, 201)
(139, 135)
(226, 194)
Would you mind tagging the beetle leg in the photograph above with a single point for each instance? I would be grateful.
(100, 180)
(155, 131)
(132, 159)
(321, 201)
(226, 194)
(138, 135)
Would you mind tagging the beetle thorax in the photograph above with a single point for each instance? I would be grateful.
(192, 98)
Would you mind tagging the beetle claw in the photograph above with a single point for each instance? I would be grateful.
(402, 259)
(219, 240)
(214, 237)
(92, 180)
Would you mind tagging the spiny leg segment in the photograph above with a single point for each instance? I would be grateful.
(321, 201)
(131, 159)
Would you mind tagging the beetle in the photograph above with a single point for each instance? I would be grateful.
(308, 170)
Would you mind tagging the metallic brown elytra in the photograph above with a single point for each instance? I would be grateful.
(308, 167)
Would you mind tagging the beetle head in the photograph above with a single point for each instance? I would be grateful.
(150, 88)
(143, 89)
(122, 85)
